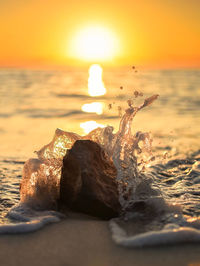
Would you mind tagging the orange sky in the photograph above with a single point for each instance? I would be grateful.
(160, 33)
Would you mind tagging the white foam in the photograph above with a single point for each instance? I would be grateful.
(30, 220)
(152, 238)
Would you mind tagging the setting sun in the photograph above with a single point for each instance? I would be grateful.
(94, 43)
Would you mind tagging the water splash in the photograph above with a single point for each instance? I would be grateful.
(41, 176)
(148, 218)
(123, 154)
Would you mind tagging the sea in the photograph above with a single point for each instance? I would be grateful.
(34, 103)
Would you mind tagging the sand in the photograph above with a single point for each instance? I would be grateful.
(81, 241)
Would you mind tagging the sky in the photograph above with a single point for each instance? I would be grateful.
(155, 33)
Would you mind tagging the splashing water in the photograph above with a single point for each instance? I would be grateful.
(41, 177)
(124, 147)
(39, 190)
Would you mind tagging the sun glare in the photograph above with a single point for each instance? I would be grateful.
(95, 83)
(95, 107)
(90, 125)
(94, 43)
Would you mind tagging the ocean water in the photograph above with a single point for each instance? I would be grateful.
(33, 103)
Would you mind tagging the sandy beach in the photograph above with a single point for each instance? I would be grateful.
(82, 241)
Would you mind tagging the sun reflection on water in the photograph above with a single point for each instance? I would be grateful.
(95, 88)
(95, 107)
(95, 82)
(90, 125)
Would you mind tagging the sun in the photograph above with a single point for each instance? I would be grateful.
(94, 44)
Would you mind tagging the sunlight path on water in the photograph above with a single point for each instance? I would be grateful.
(90, 125)
(95, 82)
(95, 88)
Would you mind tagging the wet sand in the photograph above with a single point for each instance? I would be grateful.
(80, 241)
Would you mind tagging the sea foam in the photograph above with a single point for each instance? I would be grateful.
(170, 234)
(28, 220)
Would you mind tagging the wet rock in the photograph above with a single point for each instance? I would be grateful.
(88, 181)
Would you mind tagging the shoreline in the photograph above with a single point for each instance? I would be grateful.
(82, 241)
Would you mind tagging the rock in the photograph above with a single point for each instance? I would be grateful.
(88, 181)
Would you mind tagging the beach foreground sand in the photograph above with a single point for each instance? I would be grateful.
(82, 241)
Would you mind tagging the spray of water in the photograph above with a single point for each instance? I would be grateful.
(157, 221)
(41, 176)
